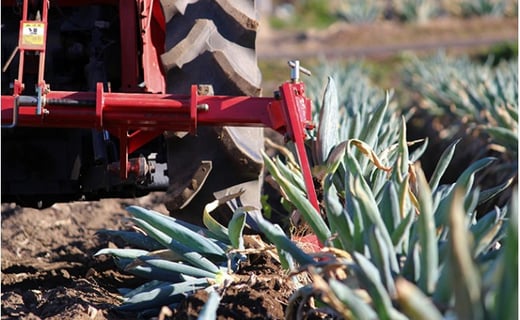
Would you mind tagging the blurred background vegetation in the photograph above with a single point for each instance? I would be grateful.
(300, 16)
(303, 14)
(427, 52)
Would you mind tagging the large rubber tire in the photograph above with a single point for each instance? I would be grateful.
(212, 42)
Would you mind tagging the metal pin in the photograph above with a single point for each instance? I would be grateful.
(296, 64)
(39, 102)
(295, 70)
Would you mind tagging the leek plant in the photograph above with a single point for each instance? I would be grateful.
(494, 8)
(419, 11)
(480, 95)
(478, 102)
(178, 258)
(398, 246)
(359, 11)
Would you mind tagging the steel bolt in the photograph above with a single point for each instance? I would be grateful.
(203, 107)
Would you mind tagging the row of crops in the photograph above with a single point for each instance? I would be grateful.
(356, 11)
(322, 13)
(399, 243)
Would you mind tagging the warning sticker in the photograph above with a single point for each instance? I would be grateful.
(33, 33)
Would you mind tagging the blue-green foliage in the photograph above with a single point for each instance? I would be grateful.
(394, 224)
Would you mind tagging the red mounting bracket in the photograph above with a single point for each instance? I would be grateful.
(297, 112)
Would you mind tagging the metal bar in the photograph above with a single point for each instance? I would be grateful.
(10, 59)
(252, 111)
(128, 36)
(18, 82)
(42, 52)
(39, 101)
(123, 153)
(139, 138)
(152, 37)
(295, 109)
(193, 109)
(14, 116)
(66, 3)
(146, 111)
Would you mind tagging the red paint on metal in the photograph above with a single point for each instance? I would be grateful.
(139, 138)
(123, 153)
(41, 66)
(193, 109)
(309, 242)
(146, 111)
(32, 42)
(296, 115)
(100, 102)
(66, 3)
(129, 49)
(152, 36)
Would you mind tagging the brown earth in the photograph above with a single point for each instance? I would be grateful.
(260, 291)
(385, 38)
(47, 269)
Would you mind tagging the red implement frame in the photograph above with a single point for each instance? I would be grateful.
(32, 37)
(137, 118)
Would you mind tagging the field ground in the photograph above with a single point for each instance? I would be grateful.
(382, 44)
(47, 265)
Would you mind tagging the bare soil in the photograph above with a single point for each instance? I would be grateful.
(48, 271)
(47, 268)
(385, 38)
(260, 292)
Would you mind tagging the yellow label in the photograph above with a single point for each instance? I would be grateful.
(33, 33)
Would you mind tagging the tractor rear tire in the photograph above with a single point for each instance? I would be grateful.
(211, 42)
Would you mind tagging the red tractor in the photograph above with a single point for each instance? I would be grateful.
(117, 98)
